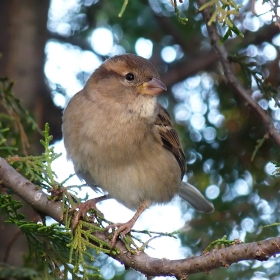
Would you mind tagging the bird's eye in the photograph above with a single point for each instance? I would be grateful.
(129, 77)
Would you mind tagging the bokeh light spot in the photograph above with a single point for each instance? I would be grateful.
(247, 224)
(107, 271)
(195, 136)
(270, 168)
(251, 23)
(212, 191)
(168, 54)
(102, 40)
(197, 121)
(144, 47)
(89, 61)
(263, 103)
(209, 134)
(276, 40)
(182, 112)
(208, 165)
(193, 82)
(269, 52)
(58, 99)
(241, 187)
(252, 50)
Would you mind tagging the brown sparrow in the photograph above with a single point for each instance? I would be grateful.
(122, 141)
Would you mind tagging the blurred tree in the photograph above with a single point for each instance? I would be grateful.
(24, 36)
(229, 127)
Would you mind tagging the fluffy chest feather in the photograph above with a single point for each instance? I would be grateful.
(123, 130)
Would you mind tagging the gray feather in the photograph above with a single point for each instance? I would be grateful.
(194, 197)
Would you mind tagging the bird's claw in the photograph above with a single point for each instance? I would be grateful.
(123, 229)
(83, 209)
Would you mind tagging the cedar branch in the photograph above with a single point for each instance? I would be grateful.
(141, 262)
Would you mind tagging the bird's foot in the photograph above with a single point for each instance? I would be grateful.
(123, 229)
(83, 209)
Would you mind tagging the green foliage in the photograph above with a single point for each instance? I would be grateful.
(125, 2)
(14, 272)
(277, 166)
(10, 208)
(174, 4)
(271, 225)
(38, 168)
(15, 121)
(222, 243)
(274, 5)
(81, 249)
(252, 70)
(47, 244)
(260, 142)
(232, 28)
(84, 242)
(223, 12)
(181, 20)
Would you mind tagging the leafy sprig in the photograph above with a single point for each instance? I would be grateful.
(223, 12)
(177, 12)
(252, 70)
(15, 121)
(222, 243)
(47, 244)
(38, 168)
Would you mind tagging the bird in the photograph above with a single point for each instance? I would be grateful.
(122, 141)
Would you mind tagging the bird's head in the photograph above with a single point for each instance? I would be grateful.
(127, 75)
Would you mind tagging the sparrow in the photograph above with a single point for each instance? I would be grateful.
(122, 141)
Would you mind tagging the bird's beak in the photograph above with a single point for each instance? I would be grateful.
(153, 87)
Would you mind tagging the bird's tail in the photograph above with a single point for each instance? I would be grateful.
(195, 198)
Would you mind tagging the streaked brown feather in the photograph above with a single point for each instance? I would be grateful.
(169, 138)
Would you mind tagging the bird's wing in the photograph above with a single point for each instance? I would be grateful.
(169, 137)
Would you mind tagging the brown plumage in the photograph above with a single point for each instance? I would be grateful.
(170, 139)
(122, 140)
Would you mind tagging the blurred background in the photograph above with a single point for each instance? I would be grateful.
(50, 48)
